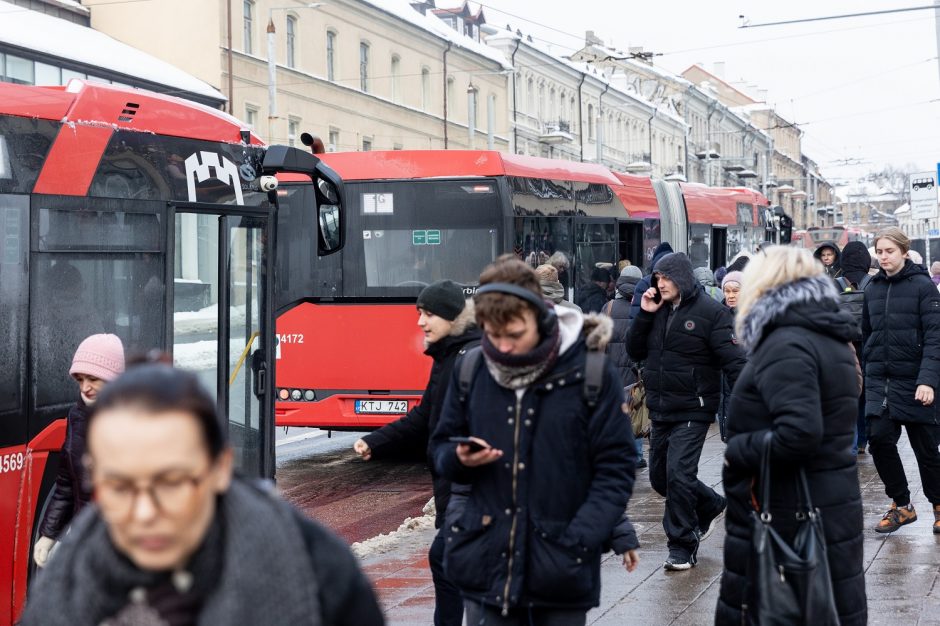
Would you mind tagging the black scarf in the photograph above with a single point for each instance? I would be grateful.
(516, 371)
(253, 568)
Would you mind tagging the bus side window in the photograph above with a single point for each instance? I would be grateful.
(14, 292)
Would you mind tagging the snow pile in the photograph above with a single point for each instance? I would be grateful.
(408, 530)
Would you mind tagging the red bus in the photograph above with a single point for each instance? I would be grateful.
(146, 216)
(812, 237)
(415, 217)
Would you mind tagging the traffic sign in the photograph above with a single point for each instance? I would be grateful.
(923, 188)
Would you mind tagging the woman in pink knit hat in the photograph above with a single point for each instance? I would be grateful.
(98, 360)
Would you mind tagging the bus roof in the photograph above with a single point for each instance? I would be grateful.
(415, 164)
(718, 205)
(102, 105)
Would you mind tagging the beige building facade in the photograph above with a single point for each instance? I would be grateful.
(360, 74)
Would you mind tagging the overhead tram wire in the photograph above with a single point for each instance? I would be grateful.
(836, 17)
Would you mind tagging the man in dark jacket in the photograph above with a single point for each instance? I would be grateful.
(593, 296)
(449, 327)
(901, 326)
(687, 340)
(829, 255)
(618, 310)
(856, 261)
(661, 250)
(553, 472)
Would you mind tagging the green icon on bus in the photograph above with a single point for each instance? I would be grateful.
(425, 237)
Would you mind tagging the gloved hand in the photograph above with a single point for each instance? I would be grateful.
(42, 549)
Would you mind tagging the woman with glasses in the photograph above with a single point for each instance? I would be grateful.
(176, 539)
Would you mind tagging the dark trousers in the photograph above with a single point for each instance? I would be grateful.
(861, 425)
(883, 435)
(448, 605)
(483, 615)
(675, 450)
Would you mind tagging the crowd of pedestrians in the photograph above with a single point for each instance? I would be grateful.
(807, 359)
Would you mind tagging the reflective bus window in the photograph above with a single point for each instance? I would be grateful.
(596, 242)
(24, 144)
(700, 245)
(539, 239)
(418, 257)
(70, 229)
(14, 252)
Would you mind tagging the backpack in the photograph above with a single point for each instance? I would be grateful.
(852, 301)
(593, 375)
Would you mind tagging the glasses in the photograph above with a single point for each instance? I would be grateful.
(171, 494)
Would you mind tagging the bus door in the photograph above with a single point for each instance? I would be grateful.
(631, 242)
(719, 249)
(595, 242)
(223, 311)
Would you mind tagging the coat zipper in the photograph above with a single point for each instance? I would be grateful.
(884, 403)
(515, 512)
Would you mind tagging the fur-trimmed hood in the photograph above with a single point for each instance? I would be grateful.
(595, 328)
(466, 321)
(812, 303)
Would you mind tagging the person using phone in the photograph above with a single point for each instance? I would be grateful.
(555, 472)
(687, 340)
(446, 318)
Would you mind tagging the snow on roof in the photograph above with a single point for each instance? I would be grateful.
(72, 5)
(68, 41)
(434, 25)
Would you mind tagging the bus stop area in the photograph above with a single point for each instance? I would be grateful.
(902, 569)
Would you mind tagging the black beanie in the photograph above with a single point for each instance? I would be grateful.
(444, 299)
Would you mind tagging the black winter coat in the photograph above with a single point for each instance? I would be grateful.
(802, 384)
(69, 495)
(536, 520)
(685, 356)
(591, 298)
(901, 328)
(416, 426)
(619, 312)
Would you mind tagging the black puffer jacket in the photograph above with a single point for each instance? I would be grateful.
(591, 298)
(901, 329)
(619, 312)
(69, 495)
(415, 428)
(800, 383)
(536, 521)
(685, 349)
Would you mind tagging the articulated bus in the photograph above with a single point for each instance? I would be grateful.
(149, 217)
(415, 217)
(812, 237)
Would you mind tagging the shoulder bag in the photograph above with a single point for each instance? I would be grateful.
(788, 583)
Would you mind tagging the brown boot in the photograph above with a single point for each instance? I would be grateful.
(936, 519)
(896, 517)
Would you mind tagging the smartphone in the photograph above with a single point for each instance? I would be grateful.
(473, 443)
(658, 297)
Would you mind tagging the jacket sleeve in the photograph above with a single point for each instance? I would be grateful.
(724, 345)
(788, 385)
(62, 499)
(409, 432)
(930, 324)
(866, 327)
(452, 423)
(638, 335)
(613, 458)
(641, 287)
(623, 538)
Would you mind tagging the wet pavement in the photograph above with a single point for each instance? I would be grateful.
(902, 569)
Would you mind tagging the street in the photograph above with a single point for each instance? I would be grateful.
(358, 499)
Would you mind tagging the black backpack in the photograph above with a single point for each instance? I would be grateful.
(593, 374)
(852, 301)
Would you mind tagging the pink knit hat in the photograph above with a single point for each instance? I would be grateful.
(101, 356)
(732, 277)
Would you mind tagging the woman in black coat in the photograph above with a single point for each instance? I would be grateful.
(802, 384)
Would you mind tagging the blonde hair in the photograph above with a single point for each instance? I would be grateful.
(547, 272)
(772, 267)
(896, 235)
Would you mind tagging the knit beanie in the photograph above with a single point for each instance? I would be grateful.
(732, 277)
(101, 356)
(444, 299)
(631, 271)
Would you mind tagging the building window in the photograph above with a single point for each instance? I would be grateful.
(248, 34)
(425, 88)
(364, 67)
(530, 96)
(590, 121)
(366, 144)
(334, 140)
(48, 74)
(19, 71)
(293, 129)
(330, 49)
(396, 78)
(251, 116)
(291, 32)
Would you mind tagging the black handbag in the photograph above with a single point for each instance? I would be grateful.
(788, 583)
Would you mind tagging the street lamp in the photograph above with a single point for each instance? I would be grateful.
(272, 64)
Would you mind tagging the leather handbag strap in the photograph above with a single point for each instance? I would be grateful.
(805, 500)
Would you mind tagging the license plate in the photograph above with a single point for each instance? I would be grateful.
(382, 406)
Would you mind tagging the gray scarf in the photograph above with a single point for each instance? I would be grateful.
(254, 568)
(517, 371)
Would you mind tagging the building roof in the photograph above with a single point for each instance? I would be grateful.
(31, 30)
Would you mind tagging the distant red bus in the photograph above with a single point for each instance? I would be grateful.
(415, 217)
(812, 237)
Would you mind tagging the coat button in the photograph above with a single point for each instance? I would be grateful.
(522, 466)
(531, 411)
(544, 535)
(507, 465)
(528, 422)
(549, 386)
(579, 559)
(508, 511)
(510, 421)
(509, 409)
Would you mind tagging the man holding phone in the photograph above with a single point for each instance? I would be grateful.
(555, 465)
(687, 340)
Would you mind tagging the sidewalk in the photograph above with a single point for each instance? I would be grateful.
(902, 579)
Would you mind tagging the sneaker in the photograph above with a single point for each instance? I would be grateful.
(677, 563)
(708, 524)
(641, 463)
(896, 517)
(936, 518)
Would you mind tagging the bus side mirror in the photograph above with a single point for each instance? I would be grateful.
(328, 190)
